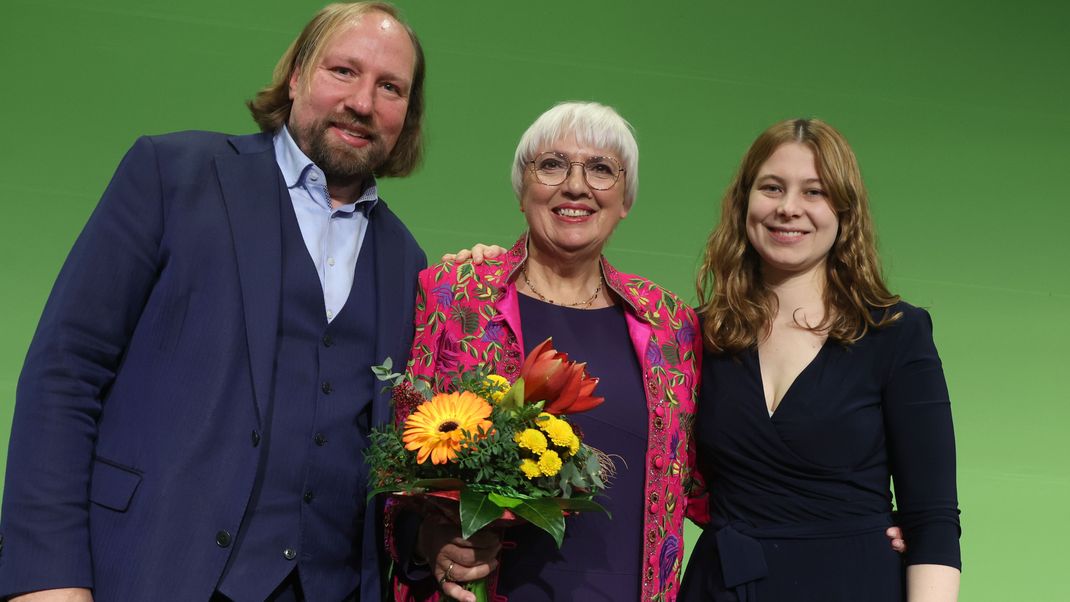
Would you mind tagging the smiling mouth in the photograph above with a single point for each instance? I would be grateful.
(572, 212)
(785, 235)
(353, 133)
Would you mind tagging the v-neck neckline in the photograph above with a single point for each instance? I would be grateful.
(791, 388)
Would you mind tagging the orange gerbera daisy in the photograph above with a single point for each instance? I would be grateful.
(436, 429)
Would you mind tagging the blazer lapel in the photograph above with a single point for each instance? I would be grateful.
(252, 192)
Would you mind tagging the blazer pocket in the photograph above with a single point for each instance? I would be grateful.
(112, 486)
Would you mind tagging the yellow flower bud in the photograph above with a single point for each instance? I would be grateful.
(531, 439)
(530, 468)
(549, 463)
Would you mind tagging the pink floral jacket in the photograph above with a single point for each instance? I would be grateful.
(467, 315)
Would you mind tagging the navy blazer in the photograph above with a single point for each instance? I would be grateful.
(132, 443)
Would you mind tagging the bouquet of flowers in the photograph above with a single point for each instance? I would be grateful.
(504, 452)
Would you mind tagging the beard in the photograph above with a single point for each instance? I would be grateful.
(340, 162)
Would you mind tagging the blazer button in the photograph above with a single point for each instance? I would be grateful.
(326, 387)
(256, 438)
(222, 539)
(328, 340)
(308, 497)
(320, 439)
(289, 553)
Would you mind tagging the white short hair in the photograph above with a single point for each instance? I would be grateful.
(592, 124)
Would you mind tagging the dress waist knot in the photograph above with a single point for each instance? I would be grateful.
(740, 548)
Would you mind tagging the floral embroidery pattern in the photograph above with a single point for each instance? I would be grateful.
(466, 315)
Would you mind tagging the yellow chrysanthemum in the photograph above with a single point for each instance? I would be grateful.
(436, 428)
(502, 382)
(531, 439)
(530, 468)
(573, 445)
(549, 463)
(558, 430)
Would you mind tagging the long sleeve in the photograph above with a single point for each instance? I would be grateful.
(429, 327)
(921, 445)
(698, 508)
(79, 344)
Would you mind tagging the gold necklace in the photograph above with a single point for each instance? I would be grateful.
(587, 303)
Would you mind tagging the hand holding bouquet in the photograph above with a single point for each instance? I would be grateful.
(504, 452)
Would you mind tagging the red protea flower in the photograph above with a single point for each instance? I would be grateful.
(563, 384)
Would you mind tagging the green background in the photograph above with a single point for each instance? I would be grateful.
(957, 110)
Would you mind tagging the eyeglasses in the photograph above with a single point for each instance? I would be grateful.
(600, 173)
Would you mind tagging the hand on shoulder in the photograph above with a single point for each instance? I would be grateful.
(476, 254)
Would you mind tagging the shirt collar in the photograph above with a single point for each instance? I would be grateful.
(298, 170)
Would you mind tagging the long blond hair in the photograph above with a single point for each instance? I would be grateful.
(271, 105)
(736, 305)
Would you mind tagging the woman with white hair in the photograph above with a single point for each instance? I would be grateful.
(576, 174)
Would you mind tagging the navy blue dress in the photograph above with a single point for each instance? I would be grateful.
(801, 499)
(601, 559)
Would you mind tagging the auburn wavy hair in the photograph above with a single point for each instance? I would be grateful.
(271, 105)
(736, 305)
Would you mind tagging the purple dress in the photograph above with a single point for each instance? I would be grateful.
(600, 558)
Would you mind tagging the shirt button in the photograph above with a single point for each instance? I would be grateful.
(289, 553)
(330, 261)
(328, 340)
(256, 438)
(222, 538)
(308, 497)
(314, 177)
(330, 314)
(320, 439)
(326, 387)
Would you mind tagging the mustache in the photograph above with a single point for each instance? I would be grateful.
(351, 119)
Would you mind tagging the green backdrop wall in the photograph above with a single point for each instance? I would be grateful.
(956, 109)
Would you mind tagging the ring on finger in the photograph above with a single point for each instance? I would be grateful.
(447, 576)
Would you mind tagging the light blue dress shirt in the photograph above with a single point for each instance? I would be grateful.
(333, 236)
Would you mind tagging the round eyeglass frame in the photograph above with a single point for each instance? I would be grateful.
(583, 166)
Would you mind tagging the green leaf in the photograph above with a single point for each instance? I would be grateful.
(671, 355)
(503, 501)
(436, 485)
(580, 504)
(477, 511)
(514, 397)
(378, 490)
(545, 514)
(670, 303)
(423, 388)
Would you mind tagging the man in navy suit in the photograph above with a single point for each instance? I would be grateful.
(193, 409)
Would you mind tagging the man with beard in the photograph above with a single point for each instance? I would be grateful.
(193, 409)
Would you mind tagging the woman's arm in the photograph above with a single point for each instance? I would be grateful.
(921, 450)
(932, 583)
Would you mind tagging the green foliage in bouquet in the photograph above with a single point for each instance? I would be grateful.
(482, 443)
